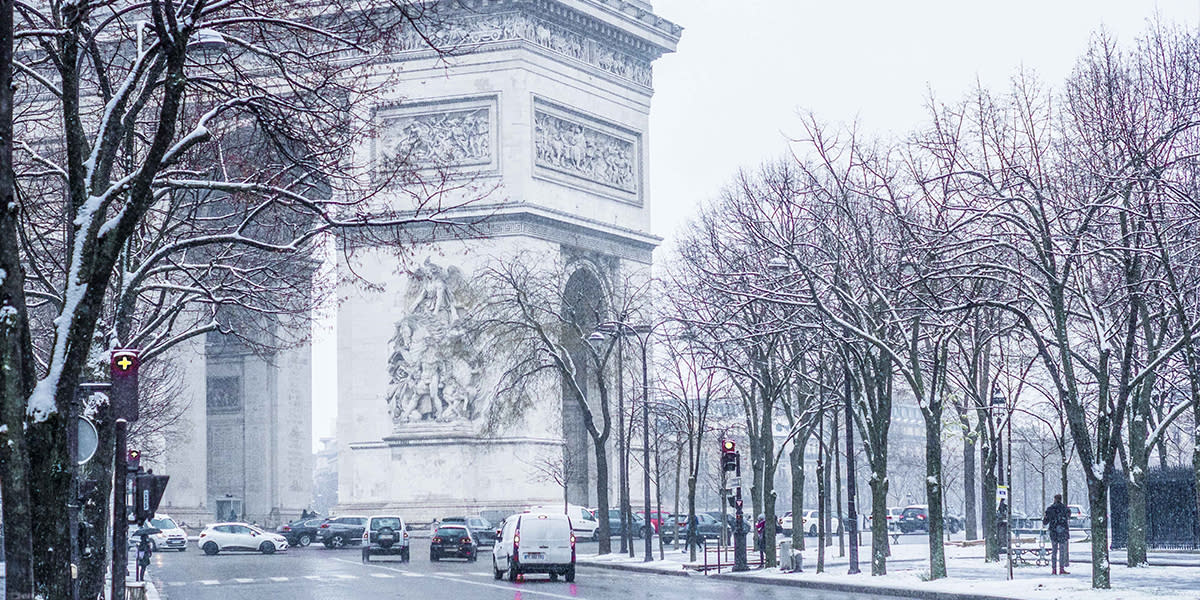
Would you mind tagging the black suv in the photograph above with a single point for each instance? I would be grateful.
(339, 531)
(483, 531)
(300, 533)
(385, 535)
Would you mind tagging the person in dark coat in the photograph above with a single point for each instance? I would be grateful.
(1058, 522)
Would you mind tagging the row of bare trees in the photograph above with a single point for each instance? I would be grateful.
(1034, 245)
(167, 169)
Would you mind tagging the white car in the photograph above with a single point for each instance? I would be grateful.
(583, 522)
(535, 542)
(222, 537)
(172, 536)
(811, 521)
(785, 523)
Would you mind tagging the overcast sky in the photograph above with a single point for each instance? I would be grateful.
(730, 96)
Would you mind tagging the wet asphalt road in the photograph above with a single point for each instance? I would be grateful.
(318, 573)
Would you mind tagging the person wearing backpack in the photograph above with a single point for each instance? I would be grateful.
(1058, 522)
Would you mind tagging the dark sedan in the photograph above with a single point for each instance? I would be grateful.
(482, 529)
(339, 531)
(453, 541)
(300, 533)
(614, 524)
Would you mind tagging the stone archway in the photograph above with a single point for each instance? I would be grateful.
(583, 305)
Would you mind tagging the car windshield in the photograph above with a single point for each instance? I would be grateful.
(381, 522)
(451, 532)
(163, 524)
(543, 530)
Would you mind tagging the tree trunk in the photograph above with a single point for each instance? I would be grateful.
(97, 508)
(50, 477)
(796, 457)
(879, 534)
(971, 516)
(1139, 461)
(1098, 503)
(16, 360)
(837, 478)
(933, 493)
(602, 496)
(822, 492)
(691, 514)
(988, 502)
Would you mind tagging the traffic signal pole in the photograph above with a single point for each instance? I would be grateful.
(739, 534)
(120, 532)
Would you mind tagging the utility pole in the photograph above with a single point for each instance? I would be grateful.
(124, 371)
(731, 461)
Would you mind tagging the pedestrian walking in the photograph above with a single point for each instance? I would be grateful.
(143, 557)
(760, 533)
(1058, 522)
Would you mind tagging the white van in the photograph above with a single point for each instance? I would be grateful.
(583, 522)
(172, 536)
(535, 542)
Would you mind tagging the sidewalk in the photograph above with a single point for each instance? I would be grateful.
(970, 578)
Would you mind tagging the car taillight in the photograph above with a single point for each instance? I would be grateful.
(921, 517)
(466, 540)
(406, 534)
(324, 525)
(287, 527)
(516, 543)
(436, 540)
(202, 534)
(366, 536)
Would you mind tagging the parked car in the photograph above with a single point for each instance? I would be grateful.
(482, 530)
(639, 528)
(583, 520)
(222, 537)
(657, 519)
(339, 531)
(893, 517)
(954, 523)
(1079, 517)
(301, 532)
(811, 526)
(385, 535)
(708, 528)
(785, 523)
(535, 543)
(730, 520)
(171, 536)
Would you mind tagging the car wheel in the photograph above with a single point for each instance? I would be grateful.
(512, 570)
(266, 548)
(497, 574)
(183, 549)
(812, 530)
(553, 576)
(433, 557)
(336, 541)
(210, 548)
(304, 540)
(153, 546)
(404, 555)
(596, 535)
(570, 576)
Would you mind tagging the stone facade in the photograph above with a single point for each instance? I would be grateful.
(546, 101)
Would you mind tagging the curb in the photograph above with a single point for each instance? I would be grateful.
(628, 567)
(833, 586)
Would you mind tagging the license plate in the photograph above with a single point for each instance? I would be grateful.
(535, 555)
(387, 537)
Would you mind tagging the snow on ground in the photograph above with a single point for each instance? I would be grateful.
(908, 569)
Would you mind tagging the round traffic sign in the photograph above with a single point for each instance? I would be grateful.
(89, 440)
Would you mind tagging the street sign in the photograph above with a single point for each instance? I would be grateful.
(734, 483)
(1001, 493)
(88, 440)
(148, 491)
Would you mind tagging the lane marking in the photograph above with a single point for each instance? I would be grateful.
(209, 582)
(345, 576)
(278, 579)
(518, 588)
(242, 580)
(383, 575)
(313, 577)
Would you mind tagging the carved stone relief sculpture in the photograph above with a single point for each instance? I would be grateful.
(483, 29)
(453, 138)
(435, 371)
(585, 152)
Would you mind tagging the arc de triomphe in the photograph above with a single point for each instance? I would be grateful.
(549, 103)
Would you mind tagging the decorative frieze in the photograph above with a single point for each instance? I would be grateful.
(454, 138)
(588, 149)
(462, 33)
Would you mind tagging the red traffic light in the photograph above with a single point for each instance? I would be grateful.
(727, 446)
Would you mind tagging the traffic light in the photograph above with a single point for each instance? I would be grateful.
(729, 456)
(133, 461)
(148, 491)
(123, 368)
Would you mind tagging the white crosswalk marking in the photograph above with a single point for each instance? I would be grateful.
(209, 582)
(243, 580)
(278, 579)
(383, 575)
(312, 577)
(344, 576)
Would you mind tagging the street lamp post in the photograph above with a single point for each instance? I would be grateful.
(1000, 401)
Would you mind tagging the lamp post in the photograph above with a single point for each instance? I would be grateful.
(1000, 401)
(642, 333)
